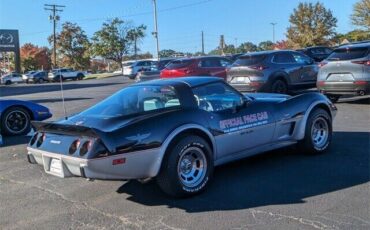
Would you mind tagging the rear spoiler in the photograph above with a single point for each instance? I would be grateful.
(74, 130)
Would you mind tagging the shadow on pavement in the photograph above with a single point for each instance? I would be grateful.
(277, 177)
(14, 140)
(20, 90)
(355, 100)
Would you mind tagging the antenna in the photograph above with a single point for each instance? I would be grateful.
(62, 92)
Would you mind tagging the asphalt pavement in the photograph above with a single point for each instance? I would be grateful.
(282, 189)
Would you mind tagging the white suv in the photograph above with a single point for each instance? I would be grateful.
(11, 78)
(131, 68)
(65, 74)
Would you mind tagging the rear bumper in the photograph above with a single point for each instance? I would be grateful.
(135, 165)
(255, 86)
(345, 88)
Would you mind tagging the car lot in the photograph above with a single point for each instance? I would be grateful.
(280, 189)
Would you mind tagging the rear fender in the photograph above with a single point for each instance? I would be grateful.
(301, 125)
(173, 134)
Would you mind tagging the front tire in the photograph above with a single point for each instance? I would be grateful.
(15, 121)
(318, 133)
(186, 168)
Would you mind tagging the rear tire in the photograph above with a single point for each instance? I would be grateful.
(318, 133)
(279, 86)
(186, 168)
(8, 82)
(80, 77)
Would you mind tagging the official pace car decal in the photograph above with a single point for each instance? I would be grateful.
(244, 122)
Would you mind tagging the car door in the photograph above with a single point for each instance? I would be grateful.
(286, 62)
(17, 78)
(212, 67)
(309, 70)
(238, 122)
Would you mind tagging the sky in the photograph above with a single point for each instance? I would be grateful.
(180, 22)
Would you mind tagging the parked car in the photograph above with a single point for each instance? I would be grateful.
(155, 71)
(278, 71)
(346, 71)
(38, 77)
(177, 131)
(16, 116)
(11, 78)
(198, 66)
(131, 68)
(317, 53)
(65, 74)
(27, 74)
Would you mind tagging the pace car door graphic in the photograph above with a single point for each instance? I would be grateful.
(240, 130)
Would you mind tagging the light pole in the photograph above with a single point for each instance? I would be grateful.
(155, 33)
(273, 31)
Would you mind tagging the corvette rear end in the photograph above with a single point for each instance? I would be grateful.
(66, 150)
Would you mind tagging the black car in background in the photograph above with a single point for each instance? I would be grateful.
(38, 77)
(317, 53)
(277, 71)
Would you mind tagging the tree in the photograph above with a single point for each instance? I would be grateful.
(135, 35)
(73, 46)
(247, 47)
(352, 36)
(111, 41)
(281, 45)
(266, 45)
(361, 14)
(34, 57)
(310, 25)
(167, 53)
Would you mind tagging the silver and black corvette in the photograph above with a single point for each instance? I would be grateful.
(177, 131)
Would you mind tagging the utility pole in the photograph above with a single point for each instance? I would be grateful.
(222, 44)
(54, 9)
(202, 43)
(273, 31)
(155, 33)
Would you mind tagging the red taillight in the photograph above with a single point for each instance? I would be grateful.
(360, 82)
(321, 64)
(258, 67)
(320, 83)
(41, 140)
(74, 146)
(367, 63)
(86, 146)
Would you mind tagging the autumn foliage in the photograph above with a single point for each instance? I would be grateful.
(34, 57)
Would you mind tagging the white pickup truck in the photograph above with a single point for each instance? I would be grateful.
(65, 73)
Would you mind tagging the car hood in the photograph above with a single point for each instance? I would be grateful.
(272, 97)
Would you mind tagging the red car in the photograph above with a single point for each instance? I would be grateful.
(197, 66)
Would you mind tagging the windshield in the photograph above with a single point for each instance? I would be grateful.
(348, 53)
(134, 100)
(248, 60)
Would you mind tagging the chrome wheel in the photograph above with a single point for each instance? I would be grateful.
(16, 121)
(192, 167)
(320, 132)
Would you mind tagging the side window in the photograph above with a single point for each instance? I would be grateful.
(209, 63)
(301, 59)
(216, 97)
(284, 58)
(225, 62)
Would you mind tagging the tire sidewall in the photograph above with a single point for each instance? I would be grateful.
(281, 82)
(172, 159)
(317, 114)
(4, 116)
